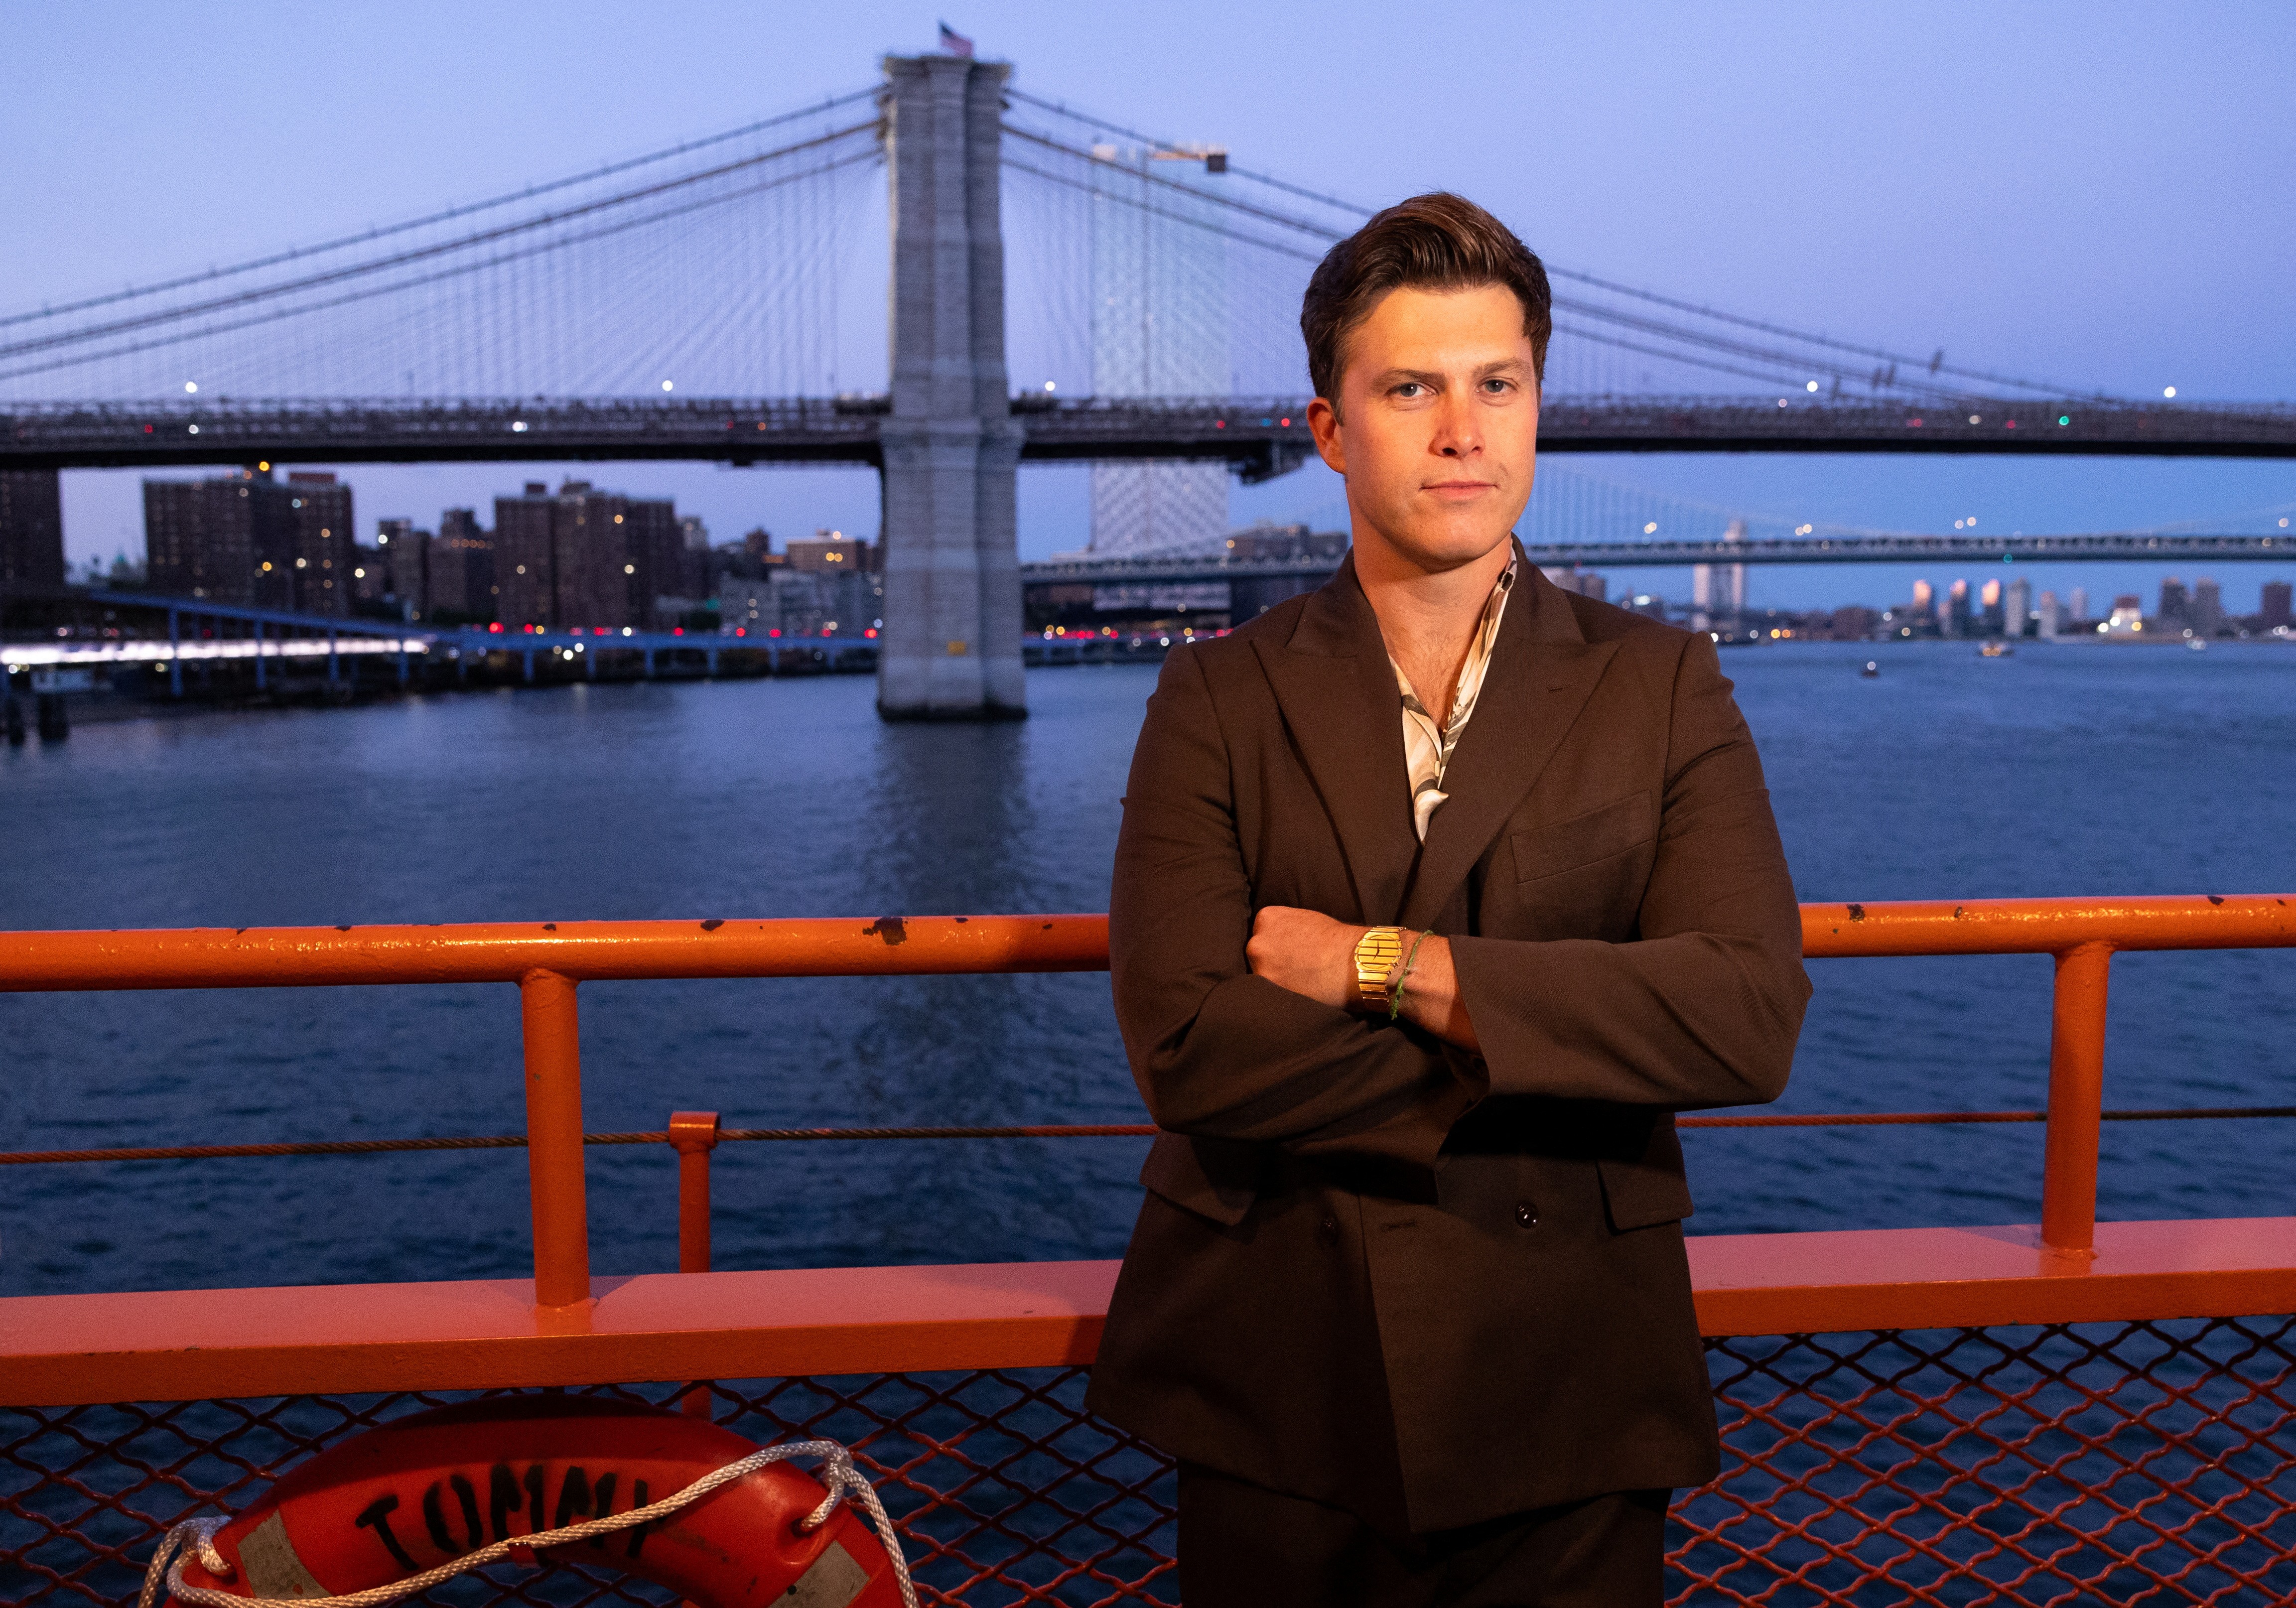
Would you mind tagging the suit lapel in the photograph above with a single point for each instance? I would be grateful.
(1542, 672)
(1344, 713)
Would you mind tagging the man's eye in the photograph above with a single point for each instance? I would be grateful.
(1495, 387)
(1409, 388)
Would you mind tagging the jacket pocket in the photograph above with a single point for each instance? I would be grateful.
(1215, 1178)
(1643, 1191)
(1616, 828)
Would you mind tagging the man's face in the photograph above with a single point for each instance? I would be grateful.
(1441, 433)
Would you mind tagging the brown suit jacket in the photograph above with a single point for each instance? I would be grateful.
(1370, 1269)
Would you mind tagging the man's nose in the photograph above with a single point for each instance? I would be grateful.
(1456, 434)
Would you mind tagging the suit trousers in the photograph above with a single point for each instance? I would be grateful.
(1244, 1546)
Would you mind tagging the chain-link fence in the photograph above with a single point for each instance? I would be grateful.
(2102, 1463)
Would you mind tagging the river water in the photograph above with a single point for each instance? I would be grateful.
(2072, 770)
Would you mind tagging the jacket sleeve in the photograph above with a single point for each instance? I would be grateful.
(1218, 1052)
(1703, 1007)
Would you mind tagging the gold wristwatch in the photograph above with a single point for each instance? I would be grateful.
(1378, 953)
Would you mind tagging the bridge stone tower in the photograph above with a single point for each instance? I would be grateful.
(951, 649)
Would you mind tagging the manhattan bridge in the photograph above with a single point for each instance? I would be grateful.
(1061, 288)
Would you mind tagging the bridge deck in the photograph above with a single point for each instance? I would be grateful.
(1259, 437)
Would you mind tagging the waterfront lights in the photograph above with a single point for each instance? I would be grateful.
(517, 426)
(2167, 391)
(191, 388)
(1811, 386)
(1049, 386)
(666, 385)
(1651, 529)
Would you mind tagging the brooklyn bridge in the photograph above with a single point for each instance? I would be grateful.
(1061, 289)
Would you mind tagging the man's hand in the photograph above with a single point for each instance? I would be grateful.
(1306, 952)
(1309, 953)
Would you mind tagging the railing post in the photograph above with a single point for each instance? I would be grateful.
(553, 1139)
(2076, 1100)
(693, 1135)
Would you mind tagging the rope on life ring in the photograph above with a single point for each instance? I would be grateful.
(195, 1538)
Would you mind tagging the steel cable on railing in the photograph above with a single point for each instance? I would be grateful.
(1050, 1130)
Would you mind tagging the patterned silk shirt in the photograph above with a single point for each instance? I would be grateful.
(1427, 747)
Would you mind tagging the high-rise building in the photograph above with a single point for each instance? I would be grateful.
(2016, 606)
(199, 537)
(1718, 591)
(2205, 612)
(2051, 617)
(2173, 603)
(2273, 613)
(694, 575)
(462, 568)
(584, 557)
(247, 538)
(1955, 618)
(1584, 582)
(1159, 328)
(832, 553)
(317, 566)
(405, 554)
(31, 531)
(2076, 605)
(1994, 611)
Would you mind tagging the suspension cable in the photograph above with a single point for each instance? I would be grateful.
(295, 253)
(457, 270)
(417, 254)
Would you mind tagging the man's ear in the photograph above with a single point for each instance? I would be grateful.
(1324, 420)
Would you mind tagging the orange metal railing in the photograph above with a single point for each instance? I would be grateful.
(549, 960)
(1929, 1414)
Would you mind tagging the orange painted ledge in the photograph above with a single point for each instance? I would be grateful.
(59, 1350)
(180, 1345)
(1929, 1278)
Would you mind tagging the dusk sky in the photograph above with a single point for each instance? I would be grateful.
(2097, 194)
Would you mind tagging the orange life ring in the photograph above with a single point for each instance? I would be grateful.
(423, 1490)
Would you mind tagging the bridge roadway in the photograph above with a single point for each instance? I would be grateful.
(1171, 570)
(1259, 438)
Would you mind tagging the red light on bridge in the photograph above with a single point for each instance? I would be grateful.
(677, 630)
(741, 630)
(774, 632)
(1216, 424)
(869, 631)
(1287, 423)
(496, 628)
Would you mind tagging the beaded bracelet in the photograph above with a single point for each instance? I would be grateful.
(1402, 975)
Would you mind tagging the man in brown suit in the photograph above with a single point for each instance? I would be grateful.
(1440, 890)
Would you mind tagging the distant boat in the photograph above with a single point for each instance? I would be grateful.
(1872, 668)
(2197, 645)
(1995, 650)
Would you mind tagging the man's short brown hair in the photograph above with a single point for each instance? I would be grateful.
(1437, 241)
